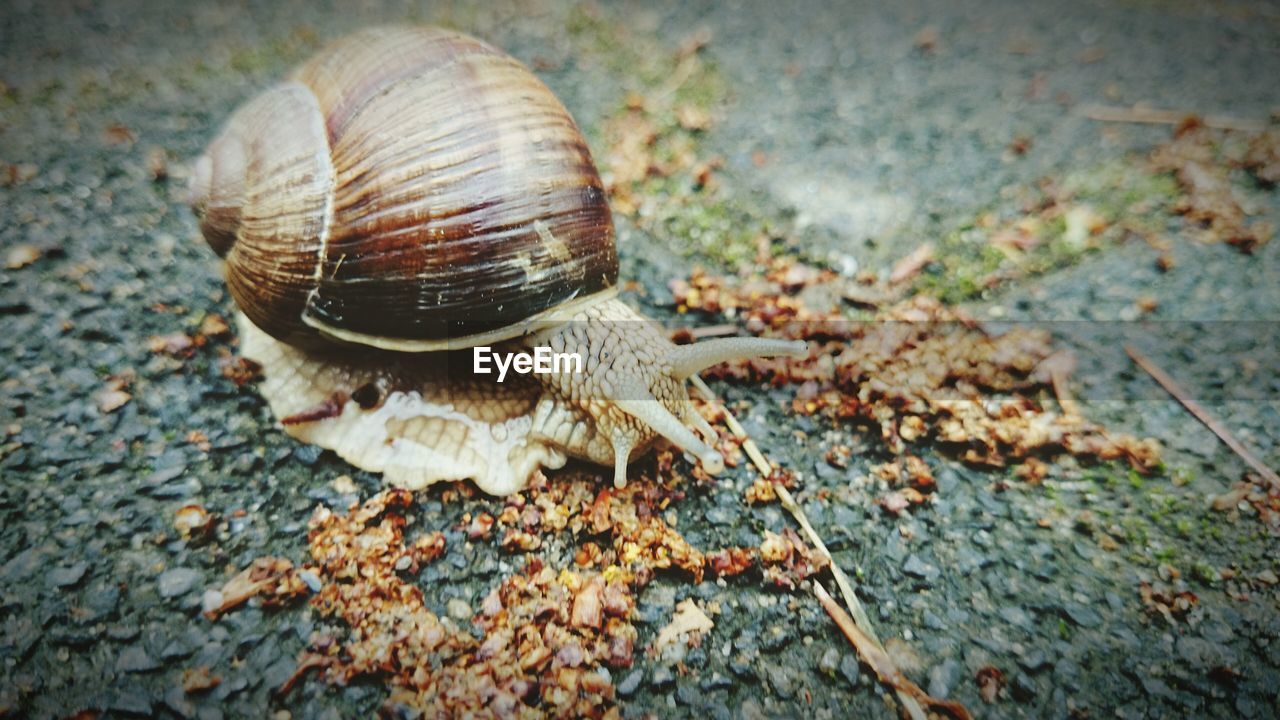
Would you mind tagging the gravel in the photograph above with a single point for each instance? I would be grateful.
(177, 582)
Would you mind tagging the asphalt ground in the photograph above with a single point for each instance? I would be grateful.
(858, 132)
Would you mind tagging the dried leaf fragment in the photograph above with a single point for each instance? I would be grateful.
(111, 400)
(112, 396)
(990, 680)
(788, 560)
(214, 326)
(20, 256)
(688, 618)
(178, 344)
(117, 134)
(730, 561)
(266, 574)
(911, 265)
(239, 370)
(880, 662)
(193, 521)
(199, 679)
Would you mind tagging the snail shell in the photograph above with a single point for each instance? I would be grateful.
(409, 189)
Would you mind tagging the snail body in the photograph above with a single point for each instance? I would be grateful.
(409, 193)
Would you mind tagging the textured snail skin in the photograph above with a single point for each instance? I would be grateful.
(433, 420)
(412, 191)
(431, 424)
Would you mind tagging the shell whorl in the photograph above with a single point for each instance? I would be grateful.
(407, 188)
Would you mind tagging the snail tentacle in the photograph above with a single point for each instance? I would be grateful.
(662, 421)
(689, 359)
(694, 418)
(622, 446)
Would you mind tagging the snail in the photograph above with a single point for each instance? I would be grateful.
(410, 193)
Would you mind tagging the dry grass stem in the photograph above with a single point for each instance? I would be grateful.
(863, 623)
(1203, 415)
(1157, 116)
(881, 663)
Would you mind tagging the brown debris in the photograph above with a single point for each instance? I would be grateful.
(787, 560)
(199, 679)
(272, 577)
(1032, 470)
(200, 440)
(838, 456)
(638, 538)
(880, 662)
(18, 173)
(588, 604)
(194, 522)
(112, 396)
(765, 490)
(20, 256)
(1209, 199)
(1262, 159)
(898, 501)
(178, 345)
(545, 633)
(688, 619)
(1173, 602)
(911, 265)
(990, 680)
(1253, 494)
(118, 134)
(307, 661)
(655, 136)
(918, 372)
(730, 561)
(214, 326)
(480, 526)
(239, 370)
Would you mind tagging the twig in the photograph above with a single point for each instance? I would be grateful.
(708, 331)
(1156, 116)
(307, 660)
(789, 503)
(1060, 390)
(1203, 416)
(880, 661)
(762, 464)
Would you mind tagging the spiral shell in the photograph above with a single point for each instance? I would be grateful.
(408, 189)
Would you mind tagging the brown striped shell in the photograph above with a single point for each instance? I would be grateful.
(406, 188)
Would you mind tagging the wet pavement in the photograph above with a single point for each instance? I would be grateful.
(857, 133)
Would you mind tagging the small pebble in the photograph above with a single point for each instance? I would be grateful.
(850, 669)
(68, 576)
(630, 683)
(177, 581)
(458, 609)
(135, 659)
(829, 663)
(311, 580)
